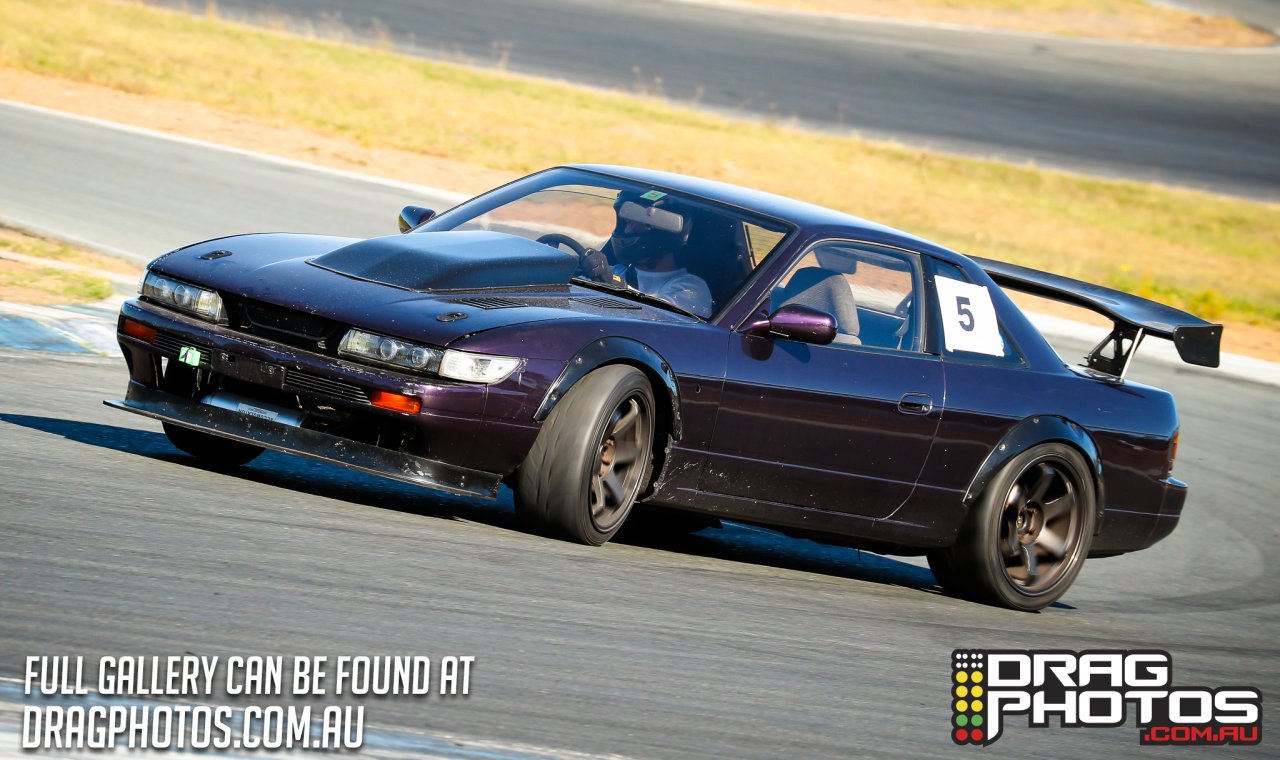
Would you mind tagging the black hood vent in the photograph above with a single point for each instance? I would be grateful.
(604, 303)
(435, 261)
(490, 302)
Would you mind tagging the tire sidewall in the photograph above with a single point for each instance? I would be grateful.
(555, 481)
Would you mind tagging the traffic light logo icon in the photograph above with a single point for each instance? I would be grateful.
(968, 697)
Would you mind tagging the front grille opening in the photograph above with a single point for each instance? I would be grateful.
(311, 383)
(301, 324)
(288, 326)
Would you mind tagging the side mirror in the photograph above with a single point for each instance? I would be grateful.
(796, 322)
(412, 216)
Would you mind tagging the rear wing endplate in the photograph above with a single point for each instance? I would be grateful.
(1134, 317)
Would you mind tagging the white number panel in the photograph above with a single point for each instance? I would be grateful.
(968, 318)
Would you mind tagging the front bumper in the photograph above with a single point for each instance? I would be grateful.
(167, 407)
(464, 425)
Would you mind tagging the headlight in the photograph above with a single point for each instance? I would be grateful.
(477, 368)
(379, 348)
(203, 303)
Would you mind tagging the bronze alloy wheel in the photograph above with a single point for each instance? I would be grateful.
(620, 462)
(1039, 528)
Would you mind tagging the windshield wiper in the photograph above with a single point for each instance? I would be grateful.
(639, 295)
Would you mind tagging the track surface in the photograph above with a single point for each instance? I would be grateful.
(736, 644)
(141, 196)
(1208, 119)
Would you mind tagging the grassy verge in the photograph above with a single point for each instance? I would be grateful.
(1122, 20)
(1214, 255)
(28, 282)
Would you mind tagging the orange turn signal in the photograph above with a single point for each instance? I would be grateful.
(396, 401)
(138, 330)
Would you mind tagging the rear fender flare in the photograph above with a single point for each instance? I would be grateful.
(616, 350)
(1033, 431)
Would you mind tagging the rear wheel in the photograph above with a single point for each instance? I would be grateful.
(588, 465)
(1028, 535)
(211, 449)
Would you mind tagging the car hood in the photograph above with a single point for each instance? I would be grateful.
(432, 287)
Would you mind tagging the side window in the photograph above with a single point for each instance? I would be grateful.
(870, 291)
(968, 328)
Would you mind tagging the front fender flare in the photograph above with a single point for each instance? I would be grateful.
(1033, 431)
(615, 350)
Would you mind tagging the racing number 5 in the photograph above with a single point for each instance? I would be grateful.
(962, 308)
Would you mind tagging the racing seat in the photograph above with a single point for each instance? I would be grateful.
(826, 291)
(717, 252)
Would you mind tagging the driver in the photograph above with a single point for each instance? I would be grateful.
(649, 231)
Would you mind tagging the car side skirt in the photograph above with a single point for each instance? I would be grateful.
(826, 526)
(311, 444)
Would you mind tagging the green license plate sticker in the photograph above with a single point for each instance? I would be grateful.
(190, 356)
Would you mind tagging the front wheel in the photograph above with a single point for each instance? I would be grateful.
(1028, 535)
(588, 465)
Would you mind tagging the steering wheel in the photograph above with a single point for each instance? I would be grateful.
(555, 240)
(591, 263)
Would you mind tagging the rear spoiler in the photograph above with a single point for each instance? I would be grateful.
(1197, 341)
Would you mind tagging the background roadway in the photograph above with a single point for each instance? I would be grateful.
(1203, 118)
(735, 643)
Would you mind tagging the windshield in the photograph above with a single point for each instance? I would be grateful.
(642, 241)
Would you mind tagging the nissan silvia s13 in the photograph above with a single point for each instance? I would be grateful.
(599, 338)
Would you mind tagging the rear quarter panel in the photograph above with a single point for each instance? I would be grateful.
(1129, 423)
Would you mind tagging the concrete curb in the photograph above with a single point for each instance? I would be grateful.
(88, 329)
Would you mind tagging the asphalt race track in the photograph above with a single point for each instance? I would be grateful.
(1204, 118)
(142, 197)
(736, 643)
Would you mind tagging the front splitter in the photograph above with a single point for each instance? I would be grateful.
(311, 444)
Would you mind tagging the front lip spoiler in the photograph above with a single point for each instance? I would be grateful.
(312, 444)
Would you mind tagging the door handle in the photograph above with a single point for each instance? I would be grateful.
(915, 403)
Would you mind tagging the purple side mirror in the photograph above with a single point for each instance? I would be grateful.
(796, 322)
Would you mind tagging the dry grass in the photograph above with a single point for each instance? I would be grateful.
(1125, 20)
(24, 282)
(1214, 255)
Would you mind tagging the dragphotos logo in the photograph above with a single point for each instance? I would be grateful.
(1095, 688)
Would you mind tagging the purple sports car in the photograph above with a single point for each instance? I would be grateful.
(599, 338)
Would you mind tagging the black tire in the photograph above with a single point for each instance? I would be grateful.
(211, 449)
(1028, 534)
(592, 459)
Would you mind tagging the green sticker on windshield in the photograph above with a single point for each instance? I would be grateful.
(654, 195)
